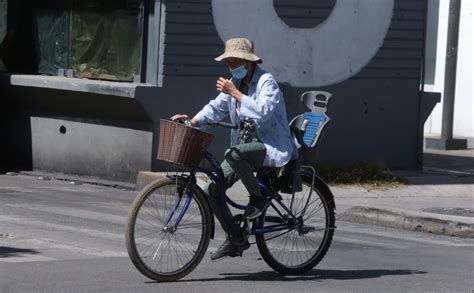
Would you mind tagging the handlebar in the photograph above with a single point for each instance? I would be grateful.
(223, 124)
(218, 124)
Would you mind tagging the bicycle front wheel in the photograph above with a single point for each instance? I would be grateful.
(160, 245)
(303, 245)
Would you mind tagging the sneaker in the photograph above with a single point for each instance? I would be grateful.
(229, 249)
(255, 207)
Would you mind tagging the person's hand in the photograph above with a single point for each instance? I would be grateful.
(184, 117)
(225, 85)
(179, 116)
(228, 87)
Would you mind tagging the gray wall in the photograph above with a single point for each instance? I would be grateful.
(72, 132)
(374, 111)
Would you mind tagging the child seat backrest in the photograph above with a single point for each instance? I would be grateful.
(307, 127)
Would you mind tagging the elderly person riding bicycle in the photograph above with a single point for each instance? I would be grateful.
(254, 102)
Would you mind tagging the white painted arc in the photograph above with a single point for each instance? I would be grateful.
(329, 53)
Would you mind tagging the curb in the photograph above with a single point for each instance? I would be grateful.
(411, 220)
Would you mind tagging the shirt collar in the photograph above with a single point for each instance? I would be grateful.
(256, 74)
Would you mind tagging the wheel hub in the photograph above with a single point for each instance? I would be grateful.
(302, 228)
(169, 229)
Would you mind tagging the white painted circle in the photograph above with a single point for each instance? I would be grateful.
(327, 54)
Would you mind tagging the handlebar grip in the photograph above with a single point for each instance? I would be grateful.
(184, 121)
(227, 125)
(223, 124)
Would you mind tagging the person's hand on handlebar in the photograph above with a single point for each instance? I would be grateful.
(179, 116)
(184, 117)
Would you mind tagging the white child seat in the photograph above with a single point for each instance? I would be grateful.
(307, 127)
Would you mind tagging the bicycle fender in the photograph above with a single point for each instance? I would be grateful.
(185, 179)
(320, 184)
(213, 224)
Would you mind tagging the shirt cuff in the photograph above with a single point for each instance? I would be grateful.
(201, 119)
(246, 106)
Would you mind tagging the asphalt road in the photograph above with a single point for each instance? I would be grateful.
(57, 236)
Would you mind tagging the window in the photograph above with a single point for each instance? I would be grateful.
(97, 39)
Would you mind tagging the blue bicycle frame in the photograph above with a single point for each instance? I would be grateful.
(216, 174)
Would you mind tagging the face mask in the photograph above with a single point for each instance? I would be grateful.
(239, 72)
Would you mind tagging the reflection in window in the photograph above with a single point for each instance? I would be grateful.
(98, 39)
(105, 41)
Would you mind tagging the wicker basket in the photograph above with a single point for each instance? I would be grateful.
(181, 144)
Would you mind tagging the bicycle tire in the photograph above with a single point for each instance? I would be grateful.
(147, 213)
(276, 252)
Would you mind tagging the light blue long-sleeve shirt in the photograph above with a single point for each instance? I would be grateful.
(265, 104)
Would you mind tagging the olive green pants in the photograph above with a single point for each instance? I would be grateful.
(240, 162)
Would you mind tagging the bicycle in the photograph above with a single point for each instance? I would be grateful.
(170, 222)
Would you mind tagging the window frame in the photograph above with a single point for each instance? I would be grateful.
(152, 15)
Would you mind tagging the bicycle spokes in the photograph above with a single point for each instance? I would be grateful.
(307, 233)
(168, 230)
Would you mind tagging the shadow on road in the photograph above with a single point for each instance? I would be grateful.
(312, 275)
(360, 274)
(15, 252)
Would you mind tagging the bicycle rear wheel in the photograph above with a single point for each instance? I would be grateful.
(160, 249)
(303, 245)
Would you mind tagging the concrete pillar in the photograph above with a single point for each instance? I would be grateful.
(447, 142)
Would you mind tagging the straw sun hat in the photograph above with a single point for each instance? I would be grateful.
(239, 48)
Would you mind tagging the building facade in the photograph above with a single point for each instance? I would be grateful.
(104, 122)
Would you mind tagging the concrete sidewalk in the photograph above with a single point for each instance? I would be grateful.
(439, 199)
